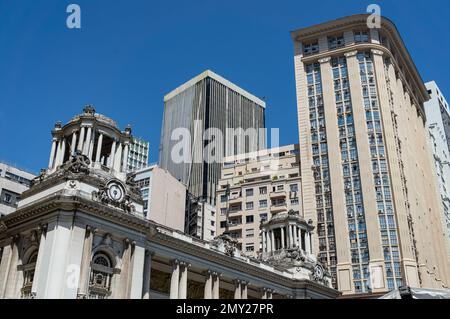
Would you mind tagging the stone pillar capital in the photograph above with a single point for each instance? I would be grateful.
(350, 54)
(377, 52)
(325, 60)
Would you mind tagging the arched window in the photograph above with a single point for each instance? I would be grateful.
(28, 275)
(101, 276)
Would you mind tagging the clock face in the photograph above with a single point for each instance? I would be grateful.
(115, 191)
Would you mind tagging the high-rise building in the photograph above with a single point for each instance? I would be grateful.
(200, 219)
(13, 182)
(212, 118)
(367, 175)
(164, 196)
(138, 154)
(253, 187)
(438, 120)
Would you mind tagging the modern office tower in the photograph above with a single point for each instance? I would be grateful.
(13, 182)
(164, 196)
(260, 184)
(200, 219)
(367, 175)
(192, 114)
(138, 154)
(438, 121)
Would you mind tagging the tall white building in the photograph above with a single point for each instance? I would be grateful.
(138, 154)
(200, 220)
(13, 182)
(438, 120)
(164, 196)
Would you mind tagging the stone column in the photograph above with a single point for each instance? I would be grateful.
(118, 159)
(282, 237)
(125, 157)
(291, 242)
(63, 151)
(307, 243)
(272, 241)
(237, 289)
(113, 155)
(263, 238)
(125, 272)
(73, 143)
(244, 294)
(182, 288)
(91, 146)
(295, 235)
(87, 145)
(86, 262)
(269, 293)
(263, 293)
(99, 148)
(174, 280)
(81, 140)
(147, 275)
(300, 238)
(52, 154)
(8, 269)
(43, 232)
(208, 284)
(216, 282)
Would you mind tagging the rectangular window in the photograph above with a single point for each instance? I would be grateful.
(263, 190)
(335, 42)
(223, 198)
(249, 192)
(311, 48)
(249, 233)
(294, 201)
(294, 187)
(249, 205)
(361, 36)
(263, 217)
(263, 203)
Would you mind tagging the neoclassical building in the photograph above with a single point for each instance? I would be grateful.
(80, 232)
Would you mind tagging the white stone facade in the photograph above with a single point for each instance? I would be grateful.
(80, 232)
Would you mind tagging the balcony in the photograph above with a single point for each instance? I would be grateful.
(278, 207)
(278, 194)
(235, 200)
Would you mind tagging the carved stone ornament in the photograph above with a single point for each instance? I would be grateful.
(3, 226)
(318, 273)
(102, 196)
(133, 184)
(78, 163)
(225, 243)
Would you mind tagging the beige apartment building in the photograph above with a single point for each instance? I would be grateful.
(260, 184)
(367, 175)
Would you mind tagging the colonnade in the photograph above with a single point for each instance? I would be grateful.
(286, 236)
(83, 140)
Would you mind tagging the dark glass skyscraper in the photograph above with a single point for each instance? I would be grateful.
(207, 102)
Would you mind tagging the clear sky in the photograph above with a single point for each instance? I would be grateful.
(129, 54)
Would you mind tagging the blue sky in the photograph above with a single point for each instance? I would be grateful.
(128, 54)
